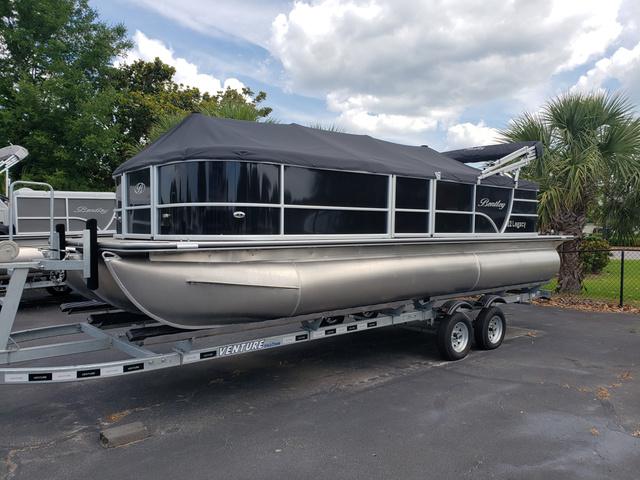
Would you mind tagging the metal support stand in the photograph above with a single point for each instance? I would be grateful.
(10, 349)
(11, 303)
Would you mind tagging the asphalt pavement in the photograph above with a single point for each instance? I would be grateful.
(559, 399)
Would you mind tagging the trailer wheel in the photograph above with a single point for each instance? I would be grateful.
(330, 321)
(454, 336)
(489, 328)
(58, 291)
(59, 277)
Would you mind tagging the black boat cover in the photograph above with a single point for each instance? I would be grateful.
(489, 153)
(203, 137)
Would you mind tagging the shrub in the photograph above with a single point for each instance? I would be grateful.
(594, 254)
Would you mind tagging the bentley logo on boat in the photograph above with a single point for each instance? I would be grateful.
(139, 188)
(485, 202)
(83, 209)
(241, 347)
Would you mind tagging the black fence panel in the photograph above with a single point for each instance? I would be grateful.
(609, 275)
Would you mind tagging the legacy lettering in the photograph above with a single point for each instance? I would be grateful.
(517, 225)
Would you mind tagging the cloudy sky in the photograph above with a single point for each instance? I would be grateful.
(447, 73)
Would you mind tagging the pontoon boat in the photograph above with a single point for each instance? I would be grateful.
(224, 221)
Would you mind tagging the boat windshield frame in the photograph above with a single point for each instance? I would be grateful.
(126, 212)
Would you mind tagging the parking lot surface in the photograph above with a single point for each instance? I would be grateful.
(559, 399)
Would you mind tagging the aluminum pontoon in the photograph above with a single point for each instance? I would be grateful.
(224, 221)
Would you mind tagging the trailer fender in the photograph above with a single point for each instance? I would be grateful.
(486, 301)
(452, 306)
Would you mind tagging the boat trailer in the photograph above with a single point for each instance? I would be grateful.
(147, 345)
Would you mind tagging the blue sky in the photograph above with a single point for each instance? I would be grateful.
(449, 74)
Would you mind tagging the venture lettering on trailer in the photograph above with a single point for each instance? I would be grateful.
(242, 347)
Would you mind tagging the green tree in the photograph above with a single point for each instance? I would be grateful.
(589, 139)
(150, 103)
(146, 92)
(618, 210)
(55, 96)
(245, 105)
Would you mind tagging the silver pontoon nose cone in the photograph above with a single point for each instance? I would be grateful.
(9, 251)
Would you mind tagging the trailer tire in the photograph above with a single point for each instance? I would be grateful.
(331, 321)
(489, 328)
(454, 336)
(58, 291)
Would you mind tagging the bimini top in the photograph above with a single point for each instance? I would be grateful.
(203, 137)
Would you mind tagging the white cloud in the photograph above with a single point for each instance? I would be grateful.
(409, 68)
(354, 115)
(463, 135)
(187, 73)
(248, 20)
(623, 65)
(598, 27)
(389, 65)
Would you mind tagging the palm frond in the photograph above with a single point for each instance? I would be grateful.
(331, 127)
(589, 139)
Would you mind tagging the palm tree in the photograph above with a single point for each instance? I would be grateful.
(330, 127)
(589, 139)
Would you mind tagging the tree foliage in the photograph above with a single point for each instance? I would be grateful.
(55, 98)
(80, 116)
(594, 254)
(245, 105)
(590, 140)
(618, 210)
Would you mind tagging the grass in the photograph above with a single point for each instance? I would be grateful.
(606, 285)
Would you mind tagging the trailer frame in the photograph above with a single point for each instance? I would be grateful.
(421, 315)
(112, 330)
